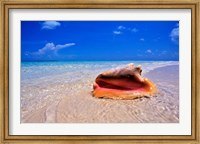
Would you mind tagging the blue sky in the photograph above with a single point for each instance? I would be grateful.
(99, 40)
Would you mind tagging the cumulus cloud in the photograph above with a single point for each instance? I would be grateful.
(134, 30)
(117, 32)
(148, 51)
(142, 39)
(50, 25)
(52, 48)
(174, 34)
(122, 29)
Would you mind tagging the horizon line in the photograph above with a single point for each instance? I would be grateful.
(95, 60)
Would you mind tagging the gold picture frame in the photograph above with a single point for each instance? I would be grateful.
(117, 4)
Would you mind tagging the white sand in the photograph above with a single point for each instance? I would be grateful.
(53, 100)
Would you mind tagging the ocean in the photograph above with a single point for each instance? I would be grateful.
(34, 69)
(60, 92)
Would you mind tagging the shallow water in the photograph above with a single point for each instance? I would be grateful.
(32, 70)
(61, 92)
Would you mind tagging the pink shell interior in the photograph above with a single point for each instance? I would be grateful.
(119, 86)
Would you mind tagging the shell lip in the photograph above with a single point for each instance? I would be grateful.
(124, 83)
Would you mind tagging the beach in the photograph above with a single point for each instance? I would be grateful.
(61, 92)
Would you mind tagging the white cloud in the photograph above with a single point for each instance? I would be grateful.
(52, 48)
(142, 39)
(117, 32)
(148, 51)
(121, 27)
(49, 25)
(134, 30)
(174, 35)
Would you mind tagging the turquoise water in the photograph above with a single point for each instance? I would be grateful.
(34, 70)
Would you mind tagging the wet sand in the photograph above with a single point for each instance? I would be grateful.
(52, 100)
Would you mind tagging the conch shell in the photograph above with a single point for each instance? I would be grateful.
(123, 83)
